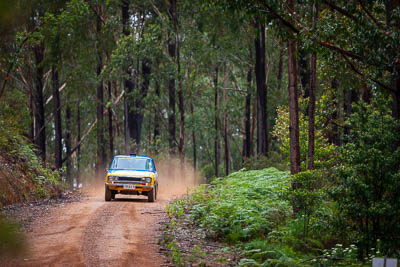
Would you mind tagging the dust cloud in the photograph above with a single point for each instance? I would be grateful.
(175, 179)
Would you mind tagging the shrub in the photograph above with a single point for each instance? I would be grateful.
(369, 179)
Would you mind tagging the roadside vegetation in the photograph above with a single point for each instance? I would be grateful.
(23, 176)
(339, 214)
(249, 212)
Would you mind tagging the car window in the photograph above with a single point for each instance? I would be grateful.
(149, 166)
(131, 163)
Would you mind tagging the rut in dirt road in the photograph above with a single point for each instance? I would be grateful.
(123, 232)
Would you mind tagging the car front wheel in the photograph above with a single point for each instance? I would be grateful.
(108, 194)
(151, 195)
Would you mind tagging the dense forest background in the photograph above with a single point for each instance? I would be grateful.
(310, 86)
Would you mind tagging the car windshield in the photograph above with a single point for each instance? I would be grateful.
(132, 164)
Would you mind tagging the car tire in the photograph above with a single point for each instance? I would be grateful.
(113, 194)
(108, 194)
(151, 195)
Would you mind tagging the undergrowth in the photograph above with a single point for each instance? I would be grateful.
(250, 212)
(23, 176)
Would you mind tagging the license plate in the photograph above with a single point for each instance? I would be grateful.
(129, 186)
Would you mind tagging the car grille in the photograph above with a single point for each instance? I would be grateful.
(130, 179)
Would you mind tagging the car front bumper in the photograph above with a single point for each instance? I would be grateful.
(120, 187)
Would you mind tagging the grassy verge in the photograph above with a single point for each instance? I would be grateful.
(249, 218)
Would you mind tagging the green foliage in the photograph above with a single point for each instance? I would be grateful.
(175, 253)
(274, 159)
(23, 177)
(369, 177)
(252, 210)
(308, 197)
(243, 206)
(324, 152)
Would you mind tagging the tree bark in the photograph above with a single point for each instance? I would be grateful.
(78, 156)
(304, 70)
(226, 134)
(135, 112)
(253, 125)
(311, 104)
(351, 96)
(193, 135)
(262, 129)
(390, 6)
(40, 128)
(181, 146)
(57, 120)
(171, 86)
(293, 105)
(157, 118)
(396, 92)
(128, 85)
(216, 123)
(280, 66)
(247, 120)
(366, 93)
(68, 143)
(110, 122)
(101, 151)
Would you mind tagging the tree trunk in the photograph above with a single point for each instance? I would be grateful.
(391, 5)
(126, 128)
(396, 92)
(247, 120)
(253, 125)
(366, 93)
(157, 118)
(101, 151)
(193, 135)
(57, 120)
(304, 70)
(135, 112)
(68, 143)
(110, 122)
(171, 86)
(39, 126)
(32, 111)
(226, 134)
(181, 146)
(216, 123)
(78, 156)
(293, 105)
(350, 97)
(129, 86)
(311, 104)
(262, 129)
(280, 66)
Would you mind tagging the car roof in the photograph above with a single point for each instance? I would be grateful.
(133, 156)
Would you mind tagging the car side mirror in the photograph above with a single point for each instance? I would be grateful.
(106, 170)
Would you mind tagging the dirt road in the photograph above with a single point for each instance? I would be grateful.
(93, 232)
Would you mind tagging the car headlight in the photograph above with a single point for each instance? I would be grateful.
(146, 179)
(113, 178)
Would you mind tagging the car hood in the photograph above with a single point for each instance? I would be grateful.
(130, 173)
